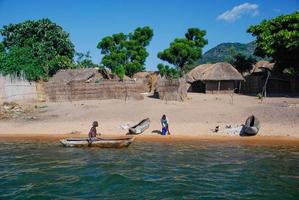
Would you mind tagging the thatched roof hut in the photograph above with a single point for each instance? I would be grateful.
(214, 72)
(141, 75)
(261, 66)
(213, 77)
(68, 75)
(87, 74)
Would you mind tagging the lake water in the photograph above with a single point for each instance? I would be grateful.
(149, 170)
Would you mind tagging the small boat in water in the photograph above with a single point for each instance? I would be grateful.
(140, 127)
(113, 142)
(252, 126)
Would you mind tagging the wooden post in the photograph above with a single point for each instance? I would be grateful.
(240, 86)
(218, 87)
(265, 86)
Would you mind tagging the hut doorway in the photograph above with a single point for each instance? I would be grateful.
(198, 87)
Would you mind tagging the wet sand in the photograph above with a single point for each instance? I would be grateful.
(252, 140)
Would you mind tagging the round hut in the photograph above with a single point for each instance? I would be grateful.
(214, 78)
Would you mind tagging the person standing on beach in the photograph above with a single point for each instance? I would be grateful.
(93, 132)
(165, 125)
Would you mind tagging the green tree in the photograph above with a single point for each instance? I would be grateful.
(278, 38)
(59, 62)
(21, 62)
(126, 51)
(243, 63)
(2, 53)
(185, 51)
(84, 61)
(45, 40)
(167, 71)
(120, 72)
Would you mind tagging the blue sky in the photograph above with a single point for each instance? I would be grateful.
(89, 21)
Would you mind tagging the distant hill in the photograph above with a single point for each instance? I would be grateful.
(225, 51)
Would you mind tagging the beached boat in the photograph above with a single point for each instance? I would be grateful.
(113, 142)
(252, 126)
(140, 127)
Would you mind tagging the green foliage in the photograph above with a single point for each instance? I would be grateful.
(291, 72)
(84, 61)
(46, 42)
(21, 62)
(59, 62)
(185, 51)
(225, 52)
(167, 71)
(243, 63)
(126, 51)
(120, 72)
(278, 38)
(2, 53)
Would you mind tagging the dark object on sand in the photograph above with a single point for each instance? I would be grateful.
(216, 129)
(252, 126)
(112, 142)
(140, 128)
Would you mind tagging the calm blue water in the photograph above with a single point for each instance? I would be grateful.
(149, 170)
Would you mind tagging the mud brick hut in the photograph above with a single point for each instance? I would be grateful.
(214, 78)
(265, 79)
(88, 84)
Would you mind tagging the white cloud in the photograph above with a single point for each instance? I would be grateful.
(237, 11)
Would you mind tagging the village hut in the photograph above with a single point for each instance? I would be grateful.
(214, 78)
(65, 76)
(141, 75)
(90, 83)
(262, 66)
(149, 79)
(264, 79)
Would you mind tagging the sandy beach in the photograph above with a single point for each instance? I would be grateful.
(194, 118)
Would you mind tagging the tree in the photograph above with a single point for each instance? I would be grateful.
(44, 39)
(84, 61)
(185, 51)
(278, 38)
(243, 63)
(167, 71)
(126, 51)
(20, 62)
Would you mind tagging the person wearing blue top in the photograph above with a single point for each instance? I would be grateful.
(165, 125)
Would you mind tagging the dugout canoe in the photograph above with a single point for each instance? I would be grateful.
(140, 127)
(112, 142)
(252, 126)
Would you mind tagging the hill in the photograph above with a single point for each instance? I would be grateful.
(225, 51)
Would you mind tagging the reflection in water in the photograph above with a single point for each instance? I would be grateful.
(149, 170)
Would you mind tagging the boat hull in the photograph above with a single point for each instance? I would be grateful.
(140, 127)
(100, 142)
(252, 126)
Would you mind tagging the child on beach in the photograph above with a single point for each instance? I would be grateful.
(165, 125)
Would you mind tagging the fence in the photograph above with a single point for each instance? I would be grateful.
(16, 89)
(172, 90)
(255, 84)
(104, 89)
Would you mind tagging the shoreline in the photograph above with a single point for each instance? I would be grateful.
(255, 140)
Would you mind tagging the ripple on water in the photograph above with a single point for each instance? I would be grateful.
(149, 170)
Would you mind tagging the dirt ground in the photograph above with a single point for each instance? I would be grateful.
(195, 117)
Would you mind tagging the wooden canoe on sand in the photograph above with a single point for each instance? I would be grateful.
(252, 126)
(140, 127)
(115, 142)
